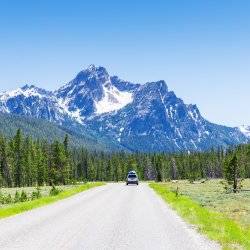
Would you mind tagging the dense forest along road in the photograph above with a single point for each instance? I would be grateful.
(114, 216)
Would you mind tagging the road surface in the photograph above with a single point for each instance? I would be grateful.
(114, 216)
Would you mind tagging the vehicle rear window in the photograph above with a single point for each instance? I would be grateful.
(131, 176)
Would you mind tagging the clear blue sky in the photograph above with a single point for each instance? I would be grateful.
(201, 48)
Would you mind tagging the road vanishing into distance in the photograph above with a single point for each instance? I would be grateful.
(114, 216)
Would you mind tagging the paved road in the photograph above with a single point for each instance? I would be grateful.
(114, 216)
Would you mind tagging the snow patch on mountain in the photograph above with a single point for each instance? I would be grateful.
(64, 108)
(25, 91)
(245, 130)
(112, 100)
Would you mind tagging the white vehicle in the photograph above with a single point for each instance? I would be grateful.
(132, 178)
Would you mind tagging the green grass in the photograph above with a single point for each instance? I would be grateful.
(20, 207)
(216, 225)
(212, 195)
(44, 190)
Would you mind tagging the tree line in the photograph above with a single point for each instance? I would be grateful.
(28, 162)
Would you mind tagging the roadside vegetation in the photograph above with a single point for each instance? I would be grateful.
(212, 194)
(219, 213)
(18, 200)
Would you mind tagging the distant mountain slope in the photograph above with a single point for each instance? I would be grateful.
(42, 129)
(157, 120)
(140, 117)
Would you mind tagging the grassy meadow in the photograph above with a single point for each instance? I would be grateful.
(222, 216)
(45, 191)
(45, 198)
(212, 194)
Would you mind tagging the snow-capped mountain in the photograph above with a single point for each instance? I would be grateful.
(140, 117)
(93, 92)
(245, 130)
(34, 102)
(157, 120)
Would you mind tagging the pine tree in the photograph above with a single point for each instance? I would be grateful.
(232, 171)
(27, 163)
(4, 165)
(41, 166)
(67, 169)
(18, 158)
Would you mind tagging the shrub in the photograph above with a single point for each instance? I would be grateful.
(8, 199)
(23, 196)
(36, 194)
(1, 198)
(5, 199)
(54, 190)
(177, 192)
(17, 197)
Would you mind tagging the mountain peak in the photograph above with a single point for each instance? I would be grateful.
(32, 90)
(91, 67)
(95, 69)
(92, 72)
(27, 86)
(158, 86)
